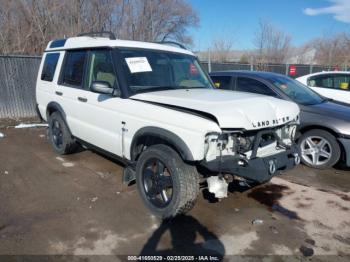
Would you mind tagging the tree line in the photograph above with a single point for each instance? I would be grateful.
(272, 45)
(28, 25)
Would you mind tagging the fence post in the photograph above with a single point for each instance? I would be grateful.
(209, 61)
(311, 69)
(287, 67)
(251, 64)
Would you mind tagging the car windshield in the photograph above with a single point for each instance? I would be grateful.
(298, 92)
(148, 70)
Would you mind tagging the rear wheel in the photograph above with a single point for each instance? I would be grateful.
(319, 149)
(167, 185)
(60, 137)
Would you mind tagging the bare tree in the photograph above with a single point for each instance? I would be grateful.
(155, 20)
(272, 45)
(222, 48)
(333, 50)
(27, 25)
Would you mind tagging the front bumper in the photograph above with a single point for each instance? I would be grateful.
(256, 169)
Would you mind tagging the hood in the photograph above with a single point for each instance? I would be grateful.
(230, 109)
(331, 109)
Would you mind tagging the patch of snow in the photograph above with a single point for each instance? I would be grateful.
(94, 199)
(67, 164)
(22, 125)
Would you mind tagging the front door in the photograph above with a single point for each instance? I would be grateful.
(101, 114)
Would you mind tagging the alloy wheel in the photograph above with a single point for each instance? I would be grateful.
(157, 183)
(316, 150)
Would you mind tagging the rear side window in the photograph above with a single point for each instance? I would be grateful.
(333, 81)
(222, 82)
(253, 86)
(325, 81)
(49, 67)
(341, 82)
(73, 70)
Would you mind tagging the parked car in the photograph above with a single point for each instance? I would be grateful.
(153, 107)
(324, 131)
(333, 84)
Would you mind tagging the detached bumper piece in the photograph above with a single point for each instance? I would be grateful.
(257, 169)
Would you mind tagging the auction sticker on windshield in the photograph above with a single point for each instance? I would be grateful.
(138, 64)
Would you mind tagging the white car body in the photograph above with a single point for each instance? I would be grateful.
(111, 123)
(334, 92)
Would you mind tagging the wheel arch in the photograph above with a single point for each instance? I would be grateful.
(52, 107)
(148, 136)
(324, 128)
(55, 107)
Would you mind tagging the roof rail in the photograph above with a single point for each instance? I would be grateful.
(172, 43)
(101, 33)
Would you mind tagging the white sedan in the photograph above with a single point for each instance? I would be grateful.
(331, 84)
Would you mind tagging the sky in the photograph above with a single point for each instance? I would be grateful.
(303, 20)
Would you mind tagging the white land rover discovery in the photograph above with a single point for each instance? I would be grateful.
(152, 106)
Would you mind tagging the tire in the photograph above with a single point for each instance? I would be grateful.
(319, 144)
(184, 180)
(60, 137)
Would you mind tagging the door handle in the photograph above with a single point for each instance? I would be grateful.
(59, 93)
(82, 99)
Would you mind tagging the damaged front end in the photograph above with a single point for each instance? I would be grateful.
(255, 155)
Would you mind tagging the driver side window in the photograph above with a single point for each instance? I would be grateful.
(101, 68)
(245, 84)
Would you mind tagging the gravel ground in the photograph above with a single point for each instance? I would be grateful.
(77, 205)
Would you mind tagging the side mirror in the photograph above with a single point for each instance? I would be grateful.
(102, 87)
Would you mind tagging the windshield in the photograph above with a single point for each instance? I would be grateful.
(147, 71)
(298, 92)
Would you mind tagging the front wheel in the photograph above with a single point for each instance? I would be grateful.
(167, 185)
(319, 149)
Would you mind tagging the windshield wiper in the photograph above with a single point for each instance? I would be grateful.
(154, 89)
(164, 88)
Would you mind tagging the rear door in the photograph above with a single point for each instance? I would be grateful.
(71, 89)
(223, 82)
(46, 84)
(335, 86)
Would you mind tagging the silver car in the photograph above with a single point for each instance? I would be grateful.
(324, 133)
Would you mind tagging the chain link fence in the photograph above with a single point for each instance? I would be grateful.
(284, 69)
(17, 87)
(18, 77)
